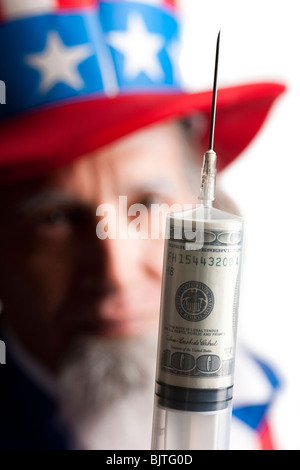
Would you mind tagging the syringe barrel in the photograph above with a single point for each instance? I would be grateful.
(197, 333)
(187, 430)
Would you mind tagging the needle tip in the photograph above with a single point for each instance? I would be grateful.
(214, 99)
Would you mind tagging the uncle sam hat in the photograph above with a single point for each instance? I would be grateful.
(79, 74)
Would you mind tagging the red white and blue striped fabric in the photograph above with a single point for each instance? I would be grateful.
(13, 9)
(256, 389)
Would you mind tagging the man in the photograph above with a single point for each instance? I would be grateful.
(79, 311)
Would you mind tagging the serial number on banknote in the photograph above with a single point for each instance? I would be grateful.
(179, 258)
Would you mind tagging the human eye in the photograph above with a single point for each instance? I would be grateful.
(149, 199)
(51, 222)
(51, 217)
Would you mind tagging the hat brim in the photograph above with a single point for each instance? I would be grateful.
(39, 142)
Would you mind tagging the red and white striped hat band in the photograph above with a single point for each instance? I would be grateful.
(12, 9)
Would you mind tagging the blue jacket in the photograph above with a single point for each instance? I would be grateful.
(29, 418)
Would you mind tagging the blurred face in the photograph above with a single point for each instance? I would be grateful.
(58, 280)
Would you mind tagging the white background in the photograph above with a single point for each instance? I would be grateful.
(261, 41)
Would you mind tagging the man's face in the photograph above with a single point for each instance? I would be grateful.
(58, 280)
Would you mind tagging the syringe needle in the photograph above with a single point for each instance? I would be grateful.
(214, 98)
(208, 176)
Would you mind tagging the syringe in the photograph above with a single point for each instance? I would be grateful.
(198, 320)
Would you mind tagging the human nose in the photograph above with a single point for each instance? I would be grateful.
(108, 265)
(119, 262)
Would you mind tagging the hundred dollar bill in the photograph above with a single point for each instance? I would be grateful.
(199, 305)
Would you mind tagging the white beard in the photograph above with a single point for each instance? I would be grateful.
(108, 387)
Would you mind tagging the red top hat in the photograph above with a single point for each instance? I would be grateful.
(80, 74)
